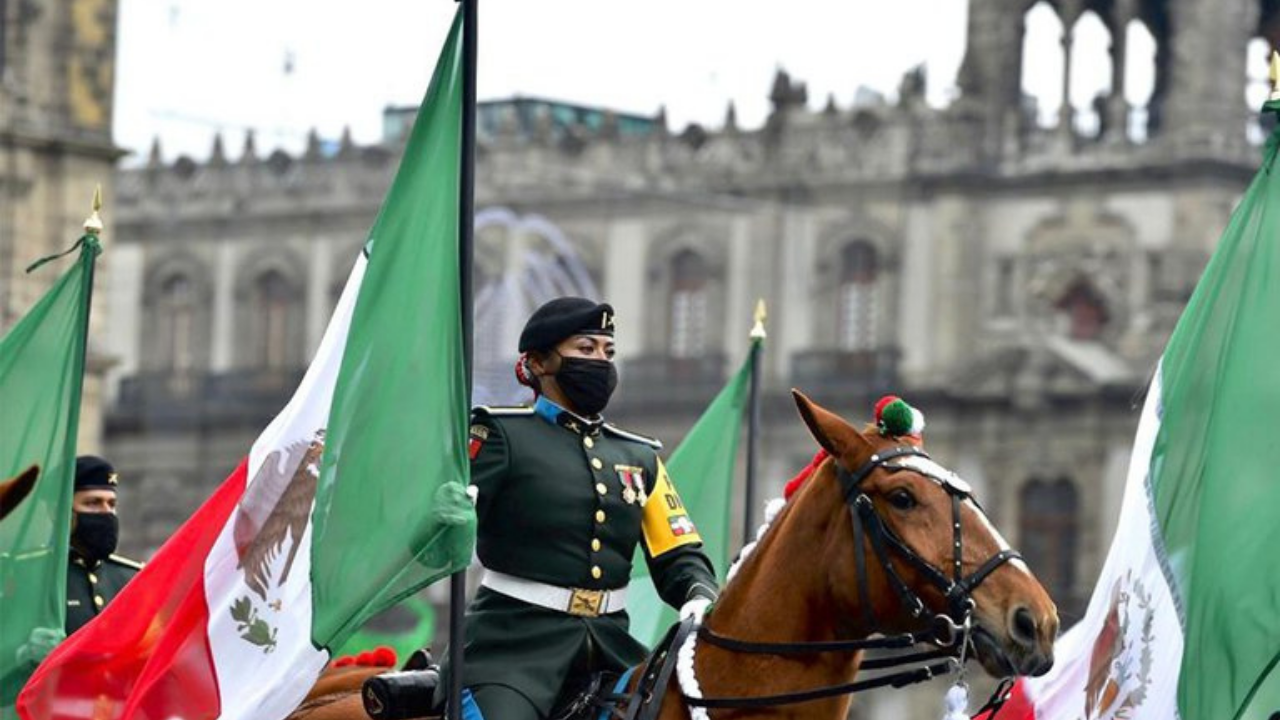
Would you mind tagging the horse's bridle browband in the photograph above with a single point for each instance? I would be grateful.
(948, 630)
(958, 589)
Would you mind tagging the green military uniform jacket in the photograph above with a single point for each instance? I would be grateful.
(562, 501)
(93, 584)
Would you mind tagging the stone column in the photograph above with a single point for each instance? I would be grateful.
(1070, 13)
(1116, 123)
(1203, 112)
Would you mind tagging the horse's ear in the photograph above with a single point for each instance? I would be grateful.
(830, 430)
(12, 491)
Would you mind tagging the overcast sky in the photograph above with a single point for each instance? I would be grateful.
(188, 68)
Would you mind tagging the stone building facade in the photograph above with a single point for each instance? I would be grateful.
(1015, 281)
(57, 65)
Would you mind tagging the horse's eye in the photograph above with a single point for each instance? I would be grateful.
(902, 499)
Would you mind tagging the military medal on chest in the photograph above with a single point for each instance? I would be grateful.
(632, 483)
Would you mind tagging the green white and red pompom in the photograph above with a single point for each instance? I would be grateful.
(895, 417)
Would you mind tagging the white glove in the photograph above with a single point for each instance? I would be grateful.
(473, 492)
(695, 609)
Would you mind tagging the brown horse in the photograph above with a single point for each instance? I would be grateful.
(13, 490)
(809, 551)
(801, 583)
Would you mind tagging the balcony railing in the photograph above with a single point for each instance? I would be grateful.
(655, 383)
(845, 373)
(181, 400)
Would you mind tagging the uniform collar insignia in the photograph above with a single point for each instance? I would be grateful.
(556, 415)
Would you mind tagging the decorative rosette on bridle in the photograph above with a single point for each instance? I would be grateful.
(894, 417)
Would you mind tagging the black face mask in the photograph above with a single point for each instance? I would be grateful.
(96, 535)
(587, 383)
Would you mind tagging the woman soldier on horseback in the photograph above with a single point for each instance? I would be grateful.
(563, 498)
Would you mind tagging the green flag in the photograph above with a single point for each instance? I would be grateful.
(41, 373)
(702, 468)
(391, 512)
(404, 627)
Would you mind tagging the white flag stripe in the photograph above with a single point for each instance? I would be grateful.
(1122, 659)
(257, 682)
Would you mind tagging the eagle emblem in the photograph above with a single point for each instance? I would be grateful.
(270, 521)
(1120, 664)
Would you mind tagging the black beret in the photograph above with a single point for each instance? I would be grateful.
(563, 318)
(94, 473)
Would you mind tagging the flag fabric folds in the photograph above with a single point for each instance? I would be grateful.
(1185, 618)
(702, 467)
(41, 374)
(352, 498)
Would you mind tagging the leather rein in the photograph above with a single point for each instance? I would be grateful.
(949, 631)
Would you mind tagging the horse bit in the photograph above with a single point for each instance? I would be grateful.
(949, 631)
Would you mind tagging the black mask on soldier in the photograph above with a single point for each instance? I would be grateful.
(587, 383)
(96, 535)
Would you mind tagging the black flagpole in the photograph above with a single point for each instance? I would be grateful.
(753, 423)
(466, 232)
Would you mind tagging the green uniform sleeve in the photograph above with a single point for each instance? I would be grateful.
(680, 570)
(490, 460)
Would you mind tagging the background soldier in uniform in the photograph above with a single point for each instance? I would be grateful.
(563, 498)
(95, 575)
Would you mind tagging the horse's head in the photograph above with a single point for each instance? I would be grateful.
(915, 514)
(13, 490)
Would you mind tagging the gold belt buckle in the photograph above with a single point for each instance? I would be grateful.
(586, 603)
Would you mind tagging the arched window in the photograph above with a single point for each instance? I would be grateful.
(177, 324)
(689, 279)
(274, 312)
(1139, 77)
(1047, 534)
(1043, 62)
(1085, 309)
(1091, 75)
(858, 312)
(176, 315)
(1257, 83)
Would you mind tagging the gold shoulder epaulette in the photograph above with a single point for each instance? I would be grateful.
(120, 560)
(627, 435)
(511, 411)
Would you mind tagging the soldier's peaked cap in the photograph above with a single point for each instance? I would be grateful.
(563, 318)
(94, 473)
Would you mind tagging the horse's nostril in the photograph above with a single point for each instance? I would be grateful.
(1022, 627)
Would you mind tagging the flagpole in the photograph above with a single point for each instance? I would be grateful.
(93, 227)
(753, 422)
(466, 233)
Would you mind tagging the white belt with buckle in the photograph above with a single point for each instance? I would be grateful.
(574, 601)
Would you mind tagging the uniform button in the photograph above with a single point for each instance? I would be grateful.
(596, 572)
(602, 488)
(595, 544)
(97, 600)
(595, 463)
(93, 578)
(588, 442)
(600, 516)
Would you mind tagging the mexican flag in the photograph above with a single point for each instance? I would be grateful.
(702, 468)
(351, 499)
(1185, 619)
(41, 374)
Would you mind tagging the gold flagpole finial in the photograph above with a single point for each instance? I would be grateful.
(757, 330)
(1275, 77)
(93, 224)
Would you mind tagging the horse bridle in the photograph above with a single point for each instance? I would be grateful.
(949, 631)
(958, 588)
